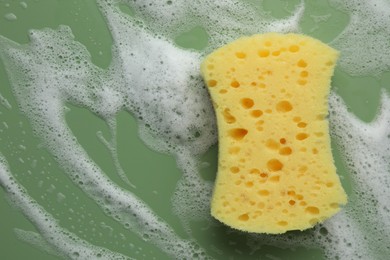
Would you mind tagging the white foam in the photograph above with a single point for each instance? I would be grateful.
(36, 240)
(223, 20)
(111, 147)
(364, 43)
(366, 149)
(63, 242)
(51, 83)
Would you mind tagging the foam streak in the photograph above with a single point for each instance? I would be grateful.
(66, 243)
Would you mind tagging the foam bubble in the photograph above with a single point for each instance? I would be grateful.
(10, 16)
(23, 4)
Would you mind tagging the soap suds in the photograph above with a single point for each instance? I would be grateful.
(43, 99)
(222, 20)
(365, 43)
(36, 240)
(62, 241)
(366, 150)
(160, 85)
(111, 147)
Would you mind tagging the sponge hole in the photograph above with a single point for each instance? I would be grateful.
(313, 221)
(297, 119)
(302, 124)
(257, 213)
(260, 205)
(321, 117)
(329, 63)
(302, 64)
(301, 136)
(302, 169)
(212, 83)
(302, 82)
(274, 179)
(256, 113)
(210, 67)
(284, 106)
(249, 184)
(263, 175)
(304, 74)
(329, 184)
(272, 144)
(247, 103)
(274, 165)
(234, 169)
(282, 223)
(260, 122)
(238, 133)
(285, 151)
(229, 118)
(254, 171)
(259, 125)
(263, 192)
(312, 210)
(263, 53)
(235, 84)
(241, 55)
(293, 48)
(243, 217)
(234, 150)
(291, 193)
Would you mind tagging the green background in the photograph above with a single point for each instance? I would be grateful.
(154, 174)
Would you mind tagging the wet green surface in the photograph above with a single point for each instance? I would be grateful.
(154, 174)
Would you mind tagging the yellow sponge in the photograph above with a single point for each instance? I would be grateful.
(275, 168)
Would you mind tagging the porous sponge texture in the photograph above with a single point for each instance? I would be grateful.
(275, 168)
